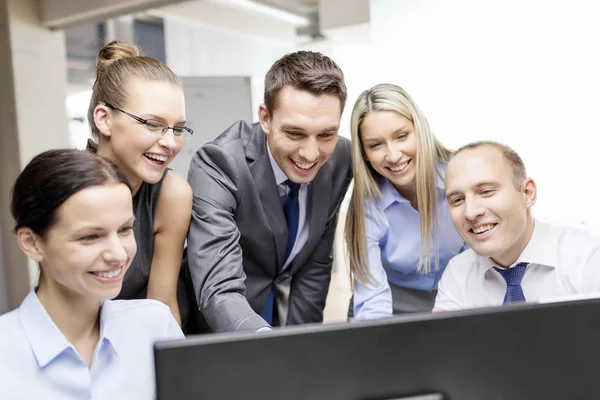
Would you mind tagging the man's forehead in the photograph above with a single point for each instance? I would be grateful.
(473, 160)
(471, 167)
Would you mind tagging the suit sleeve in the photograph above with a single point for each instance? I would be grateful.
(215, 256)
(310, 283)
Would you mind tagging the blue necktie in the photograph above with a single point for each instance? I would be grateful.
(291, 210)
(513, 277)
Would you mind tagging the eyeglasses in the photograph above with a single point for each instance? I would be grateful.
(179, 132)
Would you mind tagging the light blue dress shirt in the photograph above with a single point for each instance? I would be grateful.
(393, 230)
(38, 362)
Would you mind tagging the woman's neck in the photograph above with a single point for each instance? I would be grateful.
(76, 316)
(410, 194)
(134, 180)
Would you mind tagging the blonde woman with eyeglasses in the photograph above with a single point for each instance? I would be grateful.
(137, 119)
(399, 232)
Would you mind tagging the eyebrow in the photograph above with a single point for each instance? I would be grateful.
(476, 187)
(155, 117)
(396, 132)
(485, 183)
(98, 229)
(290, 127)
(453, 193)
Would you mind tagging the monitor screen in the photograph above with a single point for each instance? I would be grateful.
(526, 351)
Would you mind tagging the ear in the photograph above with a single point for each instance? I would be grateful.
(264, 118)
(529, 189)
(102, 119)
(30, 244)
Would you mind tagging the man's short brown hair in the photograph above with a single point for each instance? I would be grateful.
(513, 159)
(304, 70)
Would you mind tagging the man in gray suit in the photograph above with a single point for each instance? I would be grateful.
(266, 202)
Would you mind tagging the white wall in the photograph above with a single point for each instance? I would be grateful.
(526, 73)
(32, 116)
(77, 103)
(196, 50)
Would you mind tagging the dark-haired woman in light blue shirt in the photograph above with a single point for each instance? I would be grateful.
(68, 340)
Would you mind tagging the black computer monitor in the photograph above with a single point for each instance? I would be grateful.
(528, 351)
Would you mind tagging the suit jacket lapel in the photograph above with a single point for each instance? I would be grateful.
(264, 180)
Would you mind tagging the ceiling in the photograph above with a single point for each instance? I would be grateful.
(300, 7)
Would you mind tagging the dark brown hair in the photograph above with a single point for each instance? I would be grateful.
(118, 63)
(304, 70)
(51, 178)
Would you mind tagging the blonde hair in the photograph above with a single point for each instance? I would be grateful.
(430, 152)
(118, 63)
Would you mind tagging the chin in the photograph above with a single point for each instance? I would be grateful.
(152, 177)
(485, 251)
(111, 295)
(304, 179)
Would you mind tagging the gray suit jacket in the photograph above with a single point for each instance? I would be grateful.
(238, 233)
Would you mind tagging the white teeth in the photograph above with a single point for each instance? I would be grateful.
(483, 228)
(156, 157)
(400, 167)
(108, 274)
(304, 166)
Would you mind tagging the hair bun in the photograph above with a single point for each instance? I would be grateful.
(114, 51)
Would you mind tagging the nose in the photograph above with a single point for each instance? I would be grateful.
(393, 154)
(115, 252)
(473, 209)
(167, 140)
(309, 150)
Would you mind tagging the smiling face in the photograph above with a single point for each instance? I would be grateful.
(141, 154)
(488, 211)
(390, 146)
(302, 132)
(90, 246)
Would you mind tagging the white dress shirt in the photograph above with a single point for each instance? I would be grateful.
(303, 225)
(563, 262)
(38, 362)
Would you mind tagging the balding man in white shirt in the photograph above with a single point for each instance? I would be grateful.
(513, 257)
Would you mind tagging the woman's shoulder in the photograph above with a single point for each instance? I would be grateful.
(175, 187)
(9, 326)
(139, 309)
(146, 317)
(18, 365)
(14, 342)
(174, 203)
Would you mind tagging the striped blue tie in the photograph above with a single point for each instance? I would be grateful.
(513, 277)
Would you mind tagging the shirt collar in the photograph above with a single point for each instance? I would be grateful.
(540, 250)
(109, 330)
(390, 195)
(46, 340)
(280, 176)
